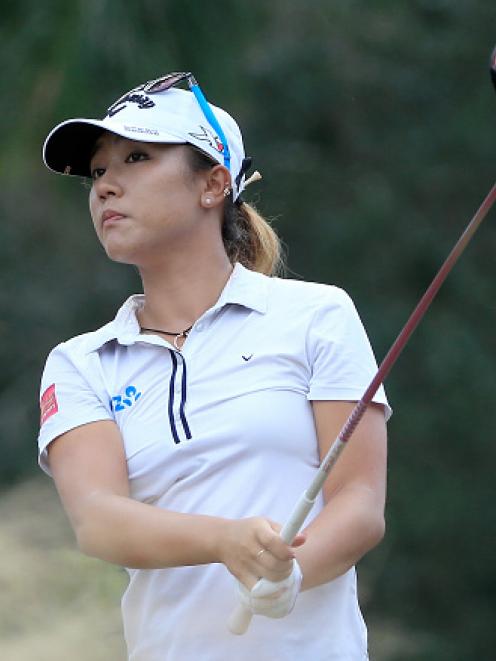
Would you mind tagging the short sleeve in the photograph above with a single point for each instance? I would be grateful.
(341, 358)
(67, 401)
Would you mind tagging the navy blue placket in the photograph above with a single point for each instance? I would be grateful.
(183, 402)
(172, 394)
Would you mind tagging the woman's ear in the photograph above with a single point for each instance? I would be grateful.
(217, 186)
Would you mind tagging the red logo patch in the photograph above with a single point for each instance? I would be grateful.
(48, 404)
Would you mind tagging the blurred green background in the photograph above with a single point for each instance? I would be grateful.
(374, 126)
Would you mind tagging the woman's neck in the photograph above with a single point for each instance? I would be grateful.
(179, 291)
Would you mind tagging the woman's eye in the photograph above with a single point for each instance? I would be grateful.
(136, 156)
(97, 172)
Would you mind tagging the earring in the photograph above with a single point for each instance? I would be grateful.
(208, 200)
(227, 190)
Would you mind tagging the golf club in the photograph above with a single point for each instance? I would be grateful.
(241, 617)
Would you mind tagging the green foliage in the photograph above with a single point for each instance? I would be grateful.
(374, 127)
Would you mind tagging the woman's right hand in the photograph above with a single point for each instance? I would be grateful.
(252, 549)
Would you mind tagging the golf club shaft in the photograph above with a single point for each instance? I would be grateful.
(241, 617)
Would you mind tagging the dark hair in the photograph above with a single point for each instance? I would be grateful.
(248, 238)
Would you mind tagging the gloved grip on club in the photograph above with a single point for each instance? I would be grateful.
(240, 619)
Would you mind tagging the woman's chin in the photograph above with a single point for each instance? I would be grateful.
(119, 253)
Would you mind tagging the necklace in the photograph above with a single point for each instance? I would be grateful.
(184, 333)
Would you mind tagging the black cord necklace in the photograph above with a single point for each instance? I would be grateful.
(184, 333)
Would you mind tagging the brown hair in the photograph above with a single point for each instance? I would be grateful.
(248, 238)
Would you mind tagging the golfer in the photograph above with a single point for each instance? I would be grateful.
(181, 433)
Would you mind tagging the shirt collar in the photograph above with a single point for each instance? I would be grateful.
(244, 287)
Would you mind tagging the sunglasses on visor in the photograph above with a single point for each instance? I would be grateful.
(164, 83)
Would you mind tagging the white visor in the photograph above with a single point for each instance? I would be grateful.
(172, 117)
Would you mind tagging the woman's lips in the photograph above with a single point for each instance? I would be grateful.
(110, 216)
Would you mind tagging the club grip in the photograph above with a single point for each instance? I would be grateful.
(239, 621)
(240, 618)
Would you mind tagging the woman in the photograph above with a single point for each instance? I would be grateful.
(181, 433)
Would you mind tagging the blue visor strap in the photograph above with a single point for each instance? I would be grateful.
(211, 119)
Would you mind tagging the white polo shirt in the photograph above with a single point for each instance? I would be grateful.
(224, 428)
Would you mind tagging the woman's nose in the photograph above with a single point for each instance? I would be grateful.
(107, 185)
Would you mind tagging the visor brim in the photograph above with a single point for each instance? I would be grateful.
(68, 148)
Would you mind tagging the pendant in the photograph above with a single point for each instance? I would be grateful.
(176, 339)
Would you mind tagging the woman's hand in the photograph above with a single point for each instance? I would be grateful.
(252, 549)
(272, 599)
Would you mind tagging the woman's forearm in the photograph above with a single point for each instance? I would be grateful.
(350, 525)
(133, 534)
(129, 533)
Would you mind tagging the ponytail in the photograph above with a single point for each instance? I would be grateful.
(249, 239)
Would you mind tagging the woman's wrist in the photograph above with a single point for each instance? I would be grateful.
(217, 539)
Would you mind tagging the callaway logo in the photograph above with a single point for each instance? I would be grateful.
(210, 137)
(142, 100)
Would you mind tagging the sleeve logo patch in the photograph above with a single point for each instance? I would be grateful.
(48, 404)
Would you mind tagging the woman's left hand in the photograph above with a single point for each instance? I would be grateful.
(270, 598)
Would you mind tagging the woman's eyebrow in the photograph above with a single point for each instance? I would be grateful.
(99, 143)
(95, 148)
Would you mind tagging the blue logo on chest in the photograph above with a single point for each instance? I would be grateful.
(121, 402)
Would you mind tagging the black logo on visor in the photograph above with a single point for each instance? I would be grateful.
(142, 100)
